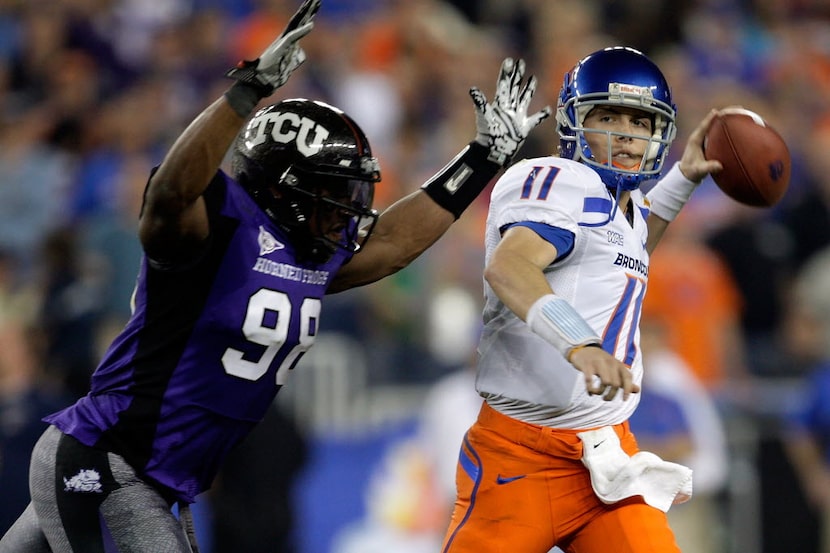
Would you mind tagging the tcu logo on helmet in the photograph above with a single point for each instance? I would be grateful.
(307, 134)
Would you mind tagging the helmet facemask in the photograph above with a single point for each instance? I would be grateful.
(322, 213)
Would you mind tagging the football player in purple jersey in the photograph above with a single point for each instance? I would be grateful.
(229, 293)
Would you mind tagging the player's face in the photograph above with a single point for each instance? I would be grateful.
(329, 220)
(615, 138)
(337, 207)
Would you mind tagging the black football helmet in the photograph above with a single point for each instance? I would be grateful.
(305, 162)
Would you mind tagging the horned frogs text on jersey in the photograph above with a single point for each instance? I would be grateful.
(604, 278)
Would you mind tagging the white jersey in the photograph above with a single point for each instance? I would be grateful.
(604, 278)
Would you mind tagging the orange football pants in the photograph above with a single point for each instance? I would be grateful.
(522, 488)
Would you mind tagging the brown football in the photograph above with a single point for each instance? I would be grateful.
(756, 160)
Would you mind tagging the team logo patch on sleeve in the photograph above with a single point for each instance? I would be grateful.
(86, 481)
(267, 242)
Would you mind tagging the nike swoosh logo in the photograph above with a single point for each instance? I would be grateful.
(507, 479)
(460, 176)
(596, 445)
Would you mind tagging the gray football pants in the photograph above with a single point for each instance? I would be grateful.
(89, 501)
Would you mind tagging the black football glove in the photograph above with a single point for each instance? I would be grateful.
(504, 125)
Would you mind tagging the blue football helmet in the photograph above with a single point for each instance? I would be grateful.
(616, 76)
(298, 158)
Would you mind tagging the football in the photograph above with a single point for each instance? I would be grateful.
(756, 160)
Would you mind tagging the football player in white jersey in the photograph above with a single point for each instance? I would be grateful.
(551, 460)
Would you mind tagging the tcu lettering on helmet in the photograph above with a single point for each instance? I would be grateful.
(616, 76)
(298, 158)
(286, 127)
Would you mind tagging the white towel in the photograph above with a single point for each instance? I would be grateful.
(615, 475)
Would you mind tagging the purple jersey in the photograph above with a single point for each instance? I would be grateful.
(207, 348)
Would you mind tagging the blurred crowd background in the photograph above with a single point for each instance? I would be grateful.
(363, 441)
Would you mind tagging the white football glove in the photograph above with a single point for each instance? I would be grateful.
(504, 124)
(274, 66)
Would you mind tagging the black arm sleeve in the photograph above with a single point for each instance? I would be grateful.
(459, 183)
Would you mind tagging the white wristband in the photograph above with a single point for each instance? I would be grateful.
(669, 195)
(555, 320)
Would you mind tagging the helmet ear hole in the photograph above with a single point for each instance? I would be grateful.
(289, 179)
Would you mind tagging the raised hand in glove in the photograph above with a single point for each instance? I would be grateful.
(273, 67)
(503, 125)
